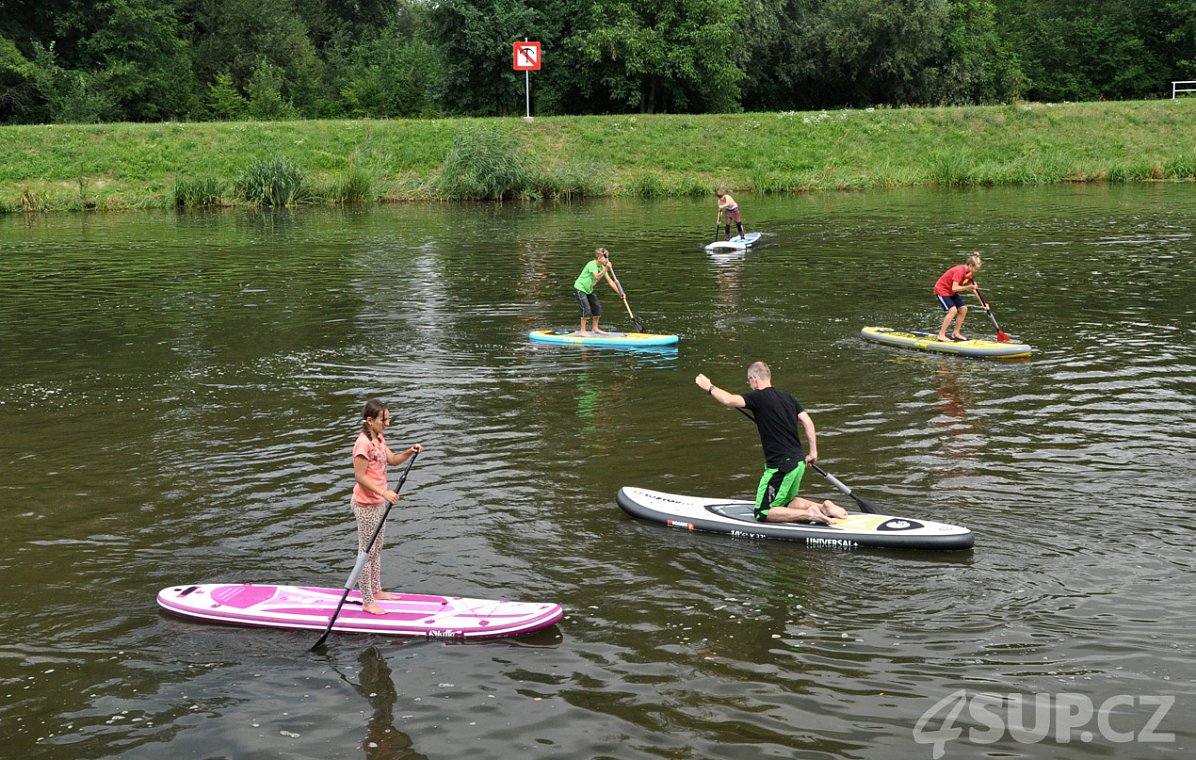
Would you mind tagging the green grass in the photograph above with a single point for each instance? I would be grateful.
(115, 166)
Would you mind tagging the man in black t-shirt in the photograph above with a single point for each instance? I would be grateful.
(777, 414)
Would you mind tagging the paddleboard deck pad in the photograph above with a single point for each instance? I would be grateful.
(735, 243)
(626, 339)
(734, 517)
(926, 341)
(309, 609)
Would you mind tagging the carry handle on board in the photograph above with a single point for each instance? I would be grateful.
(362, 556)
(865, 505)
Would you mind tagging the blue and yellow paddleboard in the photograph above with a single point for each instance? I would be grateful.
(925, 341)
(617, 339)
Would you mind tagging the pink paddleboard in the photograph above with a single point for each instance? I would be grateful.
(441, 617)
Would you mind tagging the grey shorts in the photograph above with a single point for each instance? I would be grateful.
(588, 303)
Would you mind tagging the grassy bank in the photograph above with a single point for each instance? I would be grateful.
(117, 166)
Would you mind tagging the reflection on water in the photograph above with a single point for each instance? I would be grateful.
(382, 741)
(179, 397)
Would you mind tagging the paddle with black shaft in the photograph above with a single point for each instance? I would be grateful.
(363, 555)
(1002, 336)
(623, 294)
(864, 505)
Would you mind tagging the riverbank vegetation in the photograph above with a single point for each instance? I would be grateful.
(113, 166)
(108, 61)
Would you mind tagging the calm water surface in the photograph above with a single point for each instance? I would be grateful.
(179, 396)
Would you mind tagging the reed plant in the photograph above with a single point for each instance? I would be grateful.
(571, 181)
(273, 182)
(354, 185)
(31, 200)
(486, 164)
(198, 193)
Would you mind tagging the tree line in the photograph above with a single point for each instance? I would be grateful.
(77, 61)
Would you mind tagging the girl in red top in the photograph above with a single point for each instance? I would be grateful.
(956, 280)
(370, 458)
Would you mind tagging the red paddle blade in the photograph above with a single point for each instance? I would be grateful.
(1003, 337)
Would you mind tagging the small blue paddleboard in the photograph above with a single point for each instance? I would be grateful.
(735, 243)
(625, 339)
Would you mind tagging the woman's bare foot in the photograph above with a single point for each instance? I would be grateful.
(373, 608)
(386, 596)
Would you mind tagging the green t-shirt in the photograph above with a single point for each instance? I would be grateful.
(585, 280)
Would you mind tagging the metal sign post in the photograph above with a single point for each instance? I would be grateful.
(527, 59)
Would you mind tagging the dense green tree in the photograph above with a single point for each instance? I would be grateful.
(1088, 49)
(68, 96)
(974, 64)
(663, 55)
(1176, 23)
(140, 56)
(233, 36)
(223, 100)
(476, 42)
(819, 53)
(392, 71)
(88, 60)
(16, 81)
(265, 99)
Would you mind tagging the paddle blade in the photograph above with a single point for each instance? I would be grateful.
(1002, 336)
(865, 505)
(639, 326)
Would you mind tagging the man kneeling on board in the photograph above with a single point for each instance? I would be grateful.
(776, 415)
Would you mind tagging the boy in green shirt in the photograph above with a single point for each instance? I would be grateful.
(587, 299)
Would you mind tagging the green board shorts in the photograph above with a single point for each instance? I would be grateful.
(777, 489)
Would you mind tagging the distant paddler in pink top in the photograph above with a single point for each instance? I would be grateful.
(371, 455)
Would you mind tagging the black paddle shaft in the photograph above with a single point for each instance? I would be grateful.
(362, 556)
(623, 294)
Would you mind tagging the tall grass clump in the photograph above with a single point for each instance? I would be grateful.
(203, 191)
(1180, 167)
(951, 170)
(485, 164)
(273, 182)
(646, 185)
(572, 181)
(354, 186)
(31, 200)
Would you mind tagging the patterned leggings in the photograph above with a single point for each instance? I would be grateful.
(370, 580)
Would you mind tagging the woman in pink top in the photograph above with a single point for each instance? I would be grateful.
(370, 458)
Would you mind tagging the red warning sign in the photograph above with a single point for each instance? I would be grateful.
(527, 56)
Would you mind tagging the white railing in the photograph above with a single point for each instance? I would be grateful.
(1175, 87)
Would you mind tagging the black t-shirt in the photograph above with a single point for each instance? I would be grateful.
(776, 418)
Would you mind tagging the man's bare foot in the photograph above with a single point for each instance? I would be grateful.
(831, 509)
(812, 514)
(599, 332)
(373, 608)
(386, 596)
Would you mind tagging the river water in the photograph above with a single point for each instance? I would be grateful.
(179, 395)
